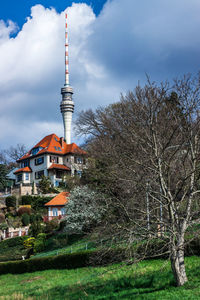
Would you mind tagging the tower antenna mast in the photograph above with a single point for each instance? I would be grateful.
(66, 54)
(67, 104)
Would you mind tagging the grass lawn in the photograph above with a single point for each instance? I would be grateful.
(81, 245)
(146, 280)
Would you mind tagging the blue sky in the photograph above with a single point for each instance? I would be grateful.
(18, 10)
(113, 45)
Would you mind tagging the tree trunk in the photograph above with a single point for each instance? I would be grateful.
(177, 262)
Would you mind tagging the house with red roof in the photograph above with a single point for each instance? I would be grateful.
(56, 206)
(50, 157)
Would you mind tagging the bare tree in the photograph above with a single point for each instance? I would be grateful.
(15, 152)
(151, 138)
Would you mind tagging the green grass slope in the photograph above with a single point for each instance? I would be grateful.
(77, 246)
(146, 280)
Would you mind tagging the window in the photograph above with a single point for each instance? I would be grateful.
(39, 174)
(55, 212)
(34, 151)
(79, 173)
(57, 148)
(59, 174)
(49, 209)
(78, 160)
(19, 177)
(63, 211)
(54, 159)
(26, 176)
(25, 163)
(39, 161)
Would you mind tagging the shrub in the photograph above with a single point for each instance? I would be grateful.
(3, 226)
(25, 219)
(51, 225)
(11, 201)
(2, 218)
(35, 228)
(38, 218)
(14, 222)
(84, 210)
(16, 241)
(22, 210)
(27, 200)
(29, 243)
(40, 242)
(38, 201)
(45, 185)
(32, 218)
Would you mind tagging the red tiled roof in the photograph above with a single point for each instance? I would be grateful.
(53, 144)
(58, 166)
(60, 199)
(25, 169)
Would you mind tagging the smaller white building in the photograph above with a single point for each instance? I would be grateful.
(56, 206)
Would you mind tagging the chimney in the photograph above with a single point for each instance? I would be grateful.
(62, 142)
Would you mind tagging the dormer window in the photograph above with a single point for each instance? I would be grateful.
(34, 151)
(57, 148)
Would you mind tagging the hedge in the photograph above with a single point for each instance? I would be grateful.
(64, 261)
(16, 241)
(94, 257)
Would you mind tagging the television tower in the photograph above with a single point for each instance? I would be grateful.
(67, 104)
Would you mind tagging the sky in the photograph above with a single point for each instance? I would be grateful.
(112, 46)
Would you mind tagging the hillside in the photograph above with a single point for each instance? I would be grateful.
(146, 280)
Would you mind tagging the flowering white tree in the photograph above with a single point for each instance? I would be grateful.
(84, 209)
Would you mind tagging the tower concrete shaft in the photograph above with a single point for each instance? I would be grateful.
(67, 104)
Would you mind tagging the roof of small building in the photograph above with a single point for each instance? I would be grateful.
(25, 169)
(53, 144)
(11, 175)
(60, 200)
(59, 167)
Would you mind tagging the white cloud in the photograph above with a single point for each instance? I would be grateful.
(108, 55)
(32, 71)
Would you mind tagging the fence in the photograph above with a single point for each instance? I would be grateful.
(87, 245)
(11, 233)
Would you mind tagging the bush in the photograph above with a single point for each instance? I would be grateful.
(51, 225)
(35, 228)
(45, 185)
(39, 202)
(16, 241)
(14, 222)
(84, 210)
(32, 218)
(29, 243)
(23, 210)
(27, 200)
(3, 226)
(40, 242)
(2, 218)
(25, 219)
(10, 201)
